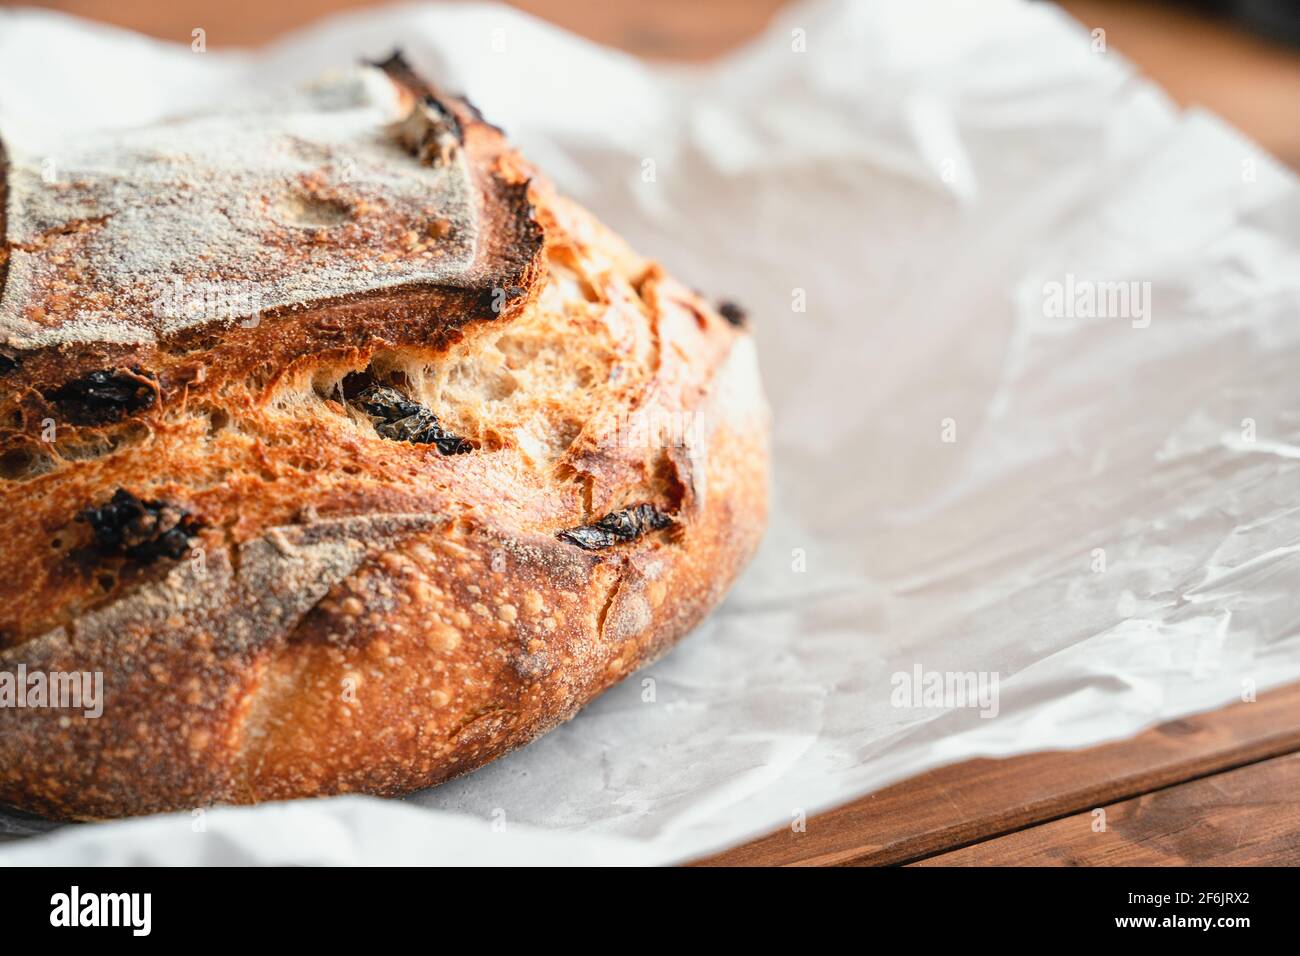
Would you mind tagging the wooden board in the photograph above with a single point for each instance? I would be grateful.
(982, 799)
(1248, 816)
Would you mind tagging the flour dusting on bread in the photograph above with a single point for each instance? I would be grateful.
(306, 196)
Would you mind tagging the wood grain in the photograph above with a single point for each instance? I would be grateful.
(1248, 816)
(981, 799)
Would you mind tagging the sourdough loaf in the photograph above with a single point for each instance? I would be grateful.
(349, 453)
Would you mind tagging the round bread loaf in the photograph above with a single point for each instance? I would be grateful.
(340, 452)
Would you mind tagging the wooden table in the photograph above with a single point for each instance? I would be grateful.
(1215, 788)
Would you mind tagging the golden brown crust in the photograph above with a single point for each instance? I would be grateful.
(346, 612)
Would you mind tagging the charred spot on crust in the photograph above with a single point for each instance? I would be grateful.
(519, 241)
(8, 361)
(433, 130)
(445, 116)
(397, 418)
(140, 530)
(394, 64)
(104, 396)
(617, 527)
(431, 133)
(732, 312)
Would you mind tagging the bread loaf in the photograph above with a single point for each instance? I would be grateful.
(346, 451)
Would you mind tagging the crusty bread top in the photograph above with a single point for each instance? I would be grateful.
(364, 182)
(473, 460)
(545, 347)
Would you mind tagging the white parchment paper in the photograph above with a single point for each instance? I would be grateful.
(1102, 512)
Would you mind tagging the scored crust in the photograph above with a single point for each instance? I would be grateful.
(299, 604)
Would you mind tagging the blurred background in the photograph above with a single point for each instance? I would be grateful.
(1238, 58)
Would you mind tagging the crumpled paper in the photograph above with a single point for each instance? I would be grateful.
(970, 475)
